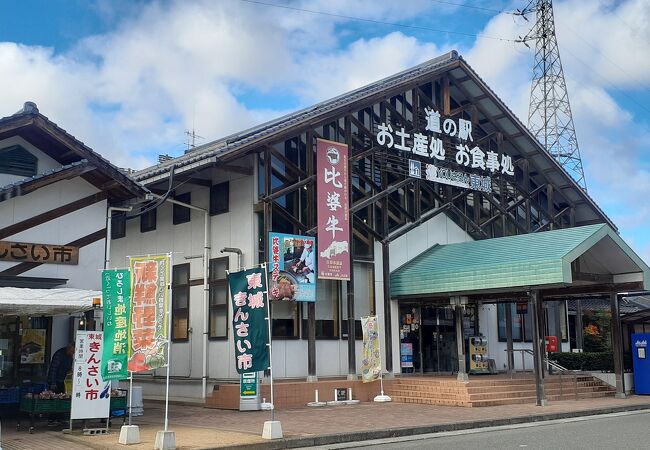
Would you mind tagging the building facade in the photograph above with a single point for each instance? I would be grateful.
(435, 159)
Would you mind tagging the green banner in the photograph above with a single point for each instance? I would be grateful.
(116, 294)
(251, 334)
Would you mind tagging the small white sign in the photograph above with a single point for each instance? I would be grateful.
(91, 396)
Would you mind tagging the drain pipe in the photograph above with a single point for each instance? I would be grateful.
(234, 250)
(109, 223)
(206, 289)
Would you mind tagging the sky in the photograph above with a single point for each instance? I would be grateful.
(130, 77)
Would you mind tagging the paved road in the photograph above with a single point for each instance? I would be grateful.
(616, 431)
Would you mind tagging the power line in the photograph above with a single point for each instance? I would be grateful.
(480, 8)
(377, 22)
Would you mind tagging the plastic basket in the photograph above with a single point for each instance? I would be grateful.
(118, 403)
(37, 405)
(63, 406)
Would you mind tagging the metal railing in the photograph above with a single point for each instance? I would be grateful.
(552, 366)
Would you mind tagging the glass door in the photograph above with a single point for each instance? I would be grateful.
(439, 352)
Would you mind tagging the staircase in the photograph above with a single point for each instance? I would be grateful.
(494, 390)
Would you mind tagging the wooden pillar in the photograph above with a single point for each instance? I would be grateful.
(617, 345)
(310, 221)
(388, 334)
(460, 342)
(580, 341)
(538, 346)
(509, 345)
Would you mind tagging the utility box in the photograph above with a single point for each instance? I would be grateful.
(249, 392)
(641, 363)
(477, 355)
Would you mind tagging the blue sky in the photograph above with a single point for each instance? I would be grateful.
(130, 77)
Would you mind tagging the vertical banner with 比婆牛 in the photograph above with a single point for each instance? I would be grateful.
(250, 329)
(293, 267)
(371, 361)
(116, 299)
(91, 395)
(149, 327)
(333, 210)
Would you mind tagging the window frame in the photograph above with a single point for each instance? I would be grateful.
(18, 161)
(179, 215)
(118, 225)
(213, 193)
(152, 216)
(175, 310)
(217, 283)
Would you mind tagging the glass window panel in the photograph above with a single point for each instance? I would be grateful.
(285, 319)
(218, 294)
(218, 322)
(180, 298)
(218, 267)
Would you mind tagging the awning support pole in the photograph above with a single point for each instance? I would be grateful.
(509, 345)
(538, 342)
(460, 338)
(617, 345)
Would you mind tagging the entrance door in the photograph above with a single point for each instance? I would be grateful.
(439, 351)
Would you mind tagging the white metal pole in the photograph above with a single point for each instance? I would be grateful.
(206, 302)
(130, 396)
(268, 320)
(169, 341)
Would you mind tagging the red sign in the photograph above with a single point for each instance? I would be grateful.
(333, 210)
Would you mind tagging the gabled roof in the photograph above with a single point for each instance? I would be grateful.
(494, 115)
(61, 146)
(522, 261)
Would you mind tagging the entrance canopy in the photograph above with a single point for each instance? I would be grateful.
(585, 257)
(45, 302)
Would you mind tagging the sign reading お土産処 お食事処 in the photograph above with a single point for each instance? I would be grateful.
(429, 144)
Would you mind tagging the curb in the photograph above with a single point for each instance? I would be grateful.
(424, 429)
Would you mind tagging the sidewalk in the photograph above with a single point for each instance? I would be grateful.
(200, 428)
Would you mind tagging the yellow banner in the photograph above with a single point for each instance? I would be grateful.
(371, 362)
(149, 326)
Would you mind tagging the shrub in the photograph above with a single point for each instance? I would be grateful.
(587, 361)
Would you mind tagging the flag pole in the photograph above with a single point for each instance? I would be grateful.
(268, 321)
(381, 397)
(169, 338)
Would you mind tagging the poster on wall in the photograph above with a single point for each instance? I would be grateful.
(149, 327)
(406, 354)
(371, 362)
(333, 210)
(292, 267)
(249, 324)
(32, 346)
(90, 393)
(116, 295)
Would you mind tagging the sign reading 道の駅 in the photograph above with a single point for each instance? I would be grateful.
(38, 253)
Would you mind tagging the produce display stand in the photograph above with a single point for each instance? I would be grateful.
(38, 407)
(9, 400)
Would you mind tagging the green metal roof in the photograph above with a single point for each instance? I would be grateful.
(534, 259)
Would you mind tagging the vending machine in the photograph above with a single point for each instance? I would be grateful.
(477, 355)
(641, 363)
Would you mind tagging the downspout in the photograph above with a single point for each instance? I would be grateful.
(206, 288)
(234, 250)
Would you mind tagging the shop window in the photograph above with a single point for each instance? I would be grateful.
(15, 160)
(364, 298)
(148, 219)
(118, 225)
(285, 319)
(180, 302)
(182, 214)
(219, 198)
(522, 324)
(218, 313)
(327, 311)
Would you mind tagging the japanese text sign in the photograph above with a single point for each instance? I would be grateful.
(116, 294)
(293, 267)
(149, 326)
(333, 210)
(40, 253)
(250, 309)
(90, 393)
(371, 361)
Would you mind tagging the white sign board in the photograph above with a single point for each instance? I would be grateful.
(91, 396)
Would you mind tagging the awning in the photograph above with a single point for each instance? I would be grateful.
(587, 255)
(45, 302)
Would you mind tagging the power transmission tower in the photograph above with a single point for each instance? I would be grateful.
(549, 114)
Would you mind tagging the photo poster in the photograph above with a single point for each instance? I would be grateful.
(292, 267)
(32, 346)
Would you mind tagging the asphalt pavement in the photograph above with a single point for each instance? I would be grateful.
(628, 430)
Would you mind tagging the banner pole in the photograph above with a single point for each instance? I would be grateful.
(268, 321)
(381, 397)
(169, 339)
(130, 396)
